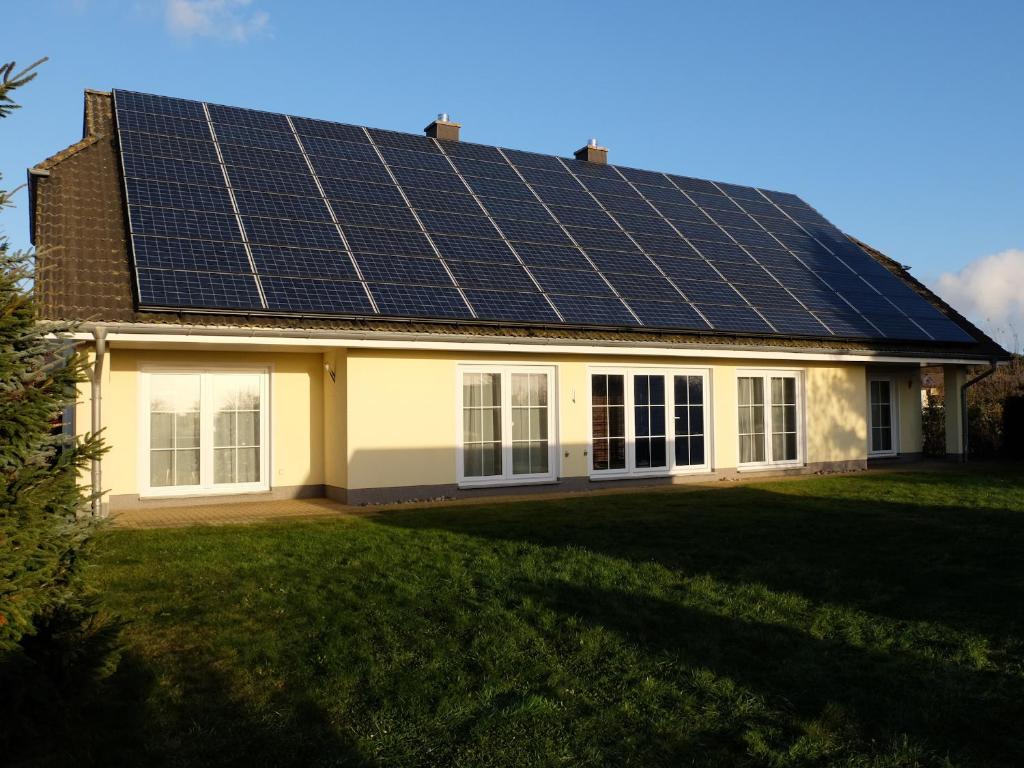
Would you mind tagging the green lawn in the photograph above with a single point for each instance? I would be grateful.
(865, 620)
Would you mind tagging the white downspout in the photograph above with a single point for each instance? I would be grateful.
(96, 377)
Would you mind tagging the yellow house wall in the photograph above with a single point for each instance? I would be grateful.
(296, 411)
(335, 419)
(402, 411)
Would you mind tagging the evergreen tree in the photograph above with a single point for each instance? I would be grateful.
(44, 525)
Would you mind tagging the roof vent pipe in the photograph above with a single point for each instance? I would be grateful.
(592, 153)
(443, 128)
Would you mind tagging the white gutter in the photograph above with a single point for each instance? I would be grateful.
(149, 335)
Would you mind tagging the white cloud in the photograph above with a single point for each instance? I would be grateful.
(232, 20)
(989, 291)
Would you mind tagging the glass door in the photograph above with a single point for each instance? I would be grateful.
(882, 439)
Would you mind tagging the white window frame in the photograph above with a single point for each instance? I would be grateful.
(507, 478)
(206, 486)
(671, 468)
(894, 417)
(801, 419)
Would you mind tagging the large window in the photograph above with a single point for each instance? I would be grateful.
(506, 425)
(647, 421)
(204, 431)
(882, 409)
(769, 418)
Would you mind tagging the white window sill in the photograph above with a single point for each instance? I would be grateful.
(200, 492)
(770, 467)
(505, 483)
(597, 478)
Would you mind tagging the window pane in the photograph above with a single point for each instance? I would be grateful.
(599, 389)
(616, 390)
(657, 390)
(186, 467)
(643, 452)
(640, 394)
(658, 420)
(789, 422)
(642, 416)
(490, 393)
(248, 465)
(161, 468)
(539, 389)
(520, 389)
(682, 451)
(174, 392)
(658, 452)
(174, 425)
(490, 424)
(696, 419)
(472, 461)
(224, 429)
(777, 418)
(224, 465)
(520, 423)
(186, 430)
(778, 446)
(471, 426)
(696, 390)
(539, 456)
(617, 453)
(471, 390)
(757, 413)
(521, 459)
(744, 390)
(617, 421)
(248, 426)
(746, 420)
(777, 395)
(790, 389)
(746, 449)
(680, 388)
(696, 450)
(790, 447)
(491, 459)
(539, 423)
(161, 430)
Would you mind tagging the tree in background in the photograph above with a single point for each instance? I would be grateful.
(994, 407)
(47, 621)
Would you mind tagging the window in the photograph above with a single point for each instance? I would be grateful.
(204, 431)
(505, 425)
(608, 421)
(689, 420)
(647, 421)
(882, 440)
(769, 418)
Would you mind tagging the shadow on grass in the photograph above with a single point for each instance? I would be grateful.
(866, 695)
(959, 566)
(119, 721)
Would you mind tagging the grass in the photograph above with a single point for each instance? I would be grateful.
(867, 620)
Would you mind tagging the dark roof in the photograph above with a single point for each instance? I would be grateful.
(85, 272)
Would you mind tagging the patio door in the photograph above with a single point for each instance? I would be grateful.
(882, 418)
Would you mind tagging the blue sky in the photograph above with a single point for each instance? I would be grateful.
(901, 122)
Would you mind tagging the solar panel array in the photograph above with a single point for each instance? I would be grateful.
(239, 210)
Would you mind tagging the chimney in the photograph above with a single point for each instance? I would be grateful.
(592, 153)
(443, 128)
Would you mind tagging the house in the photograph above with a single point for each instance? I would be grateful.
(278, 306)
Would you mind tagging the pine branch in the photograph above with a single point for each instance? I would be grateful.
(10, 80)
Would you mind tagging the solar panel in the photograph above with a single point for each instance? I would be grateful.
(236, 209)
